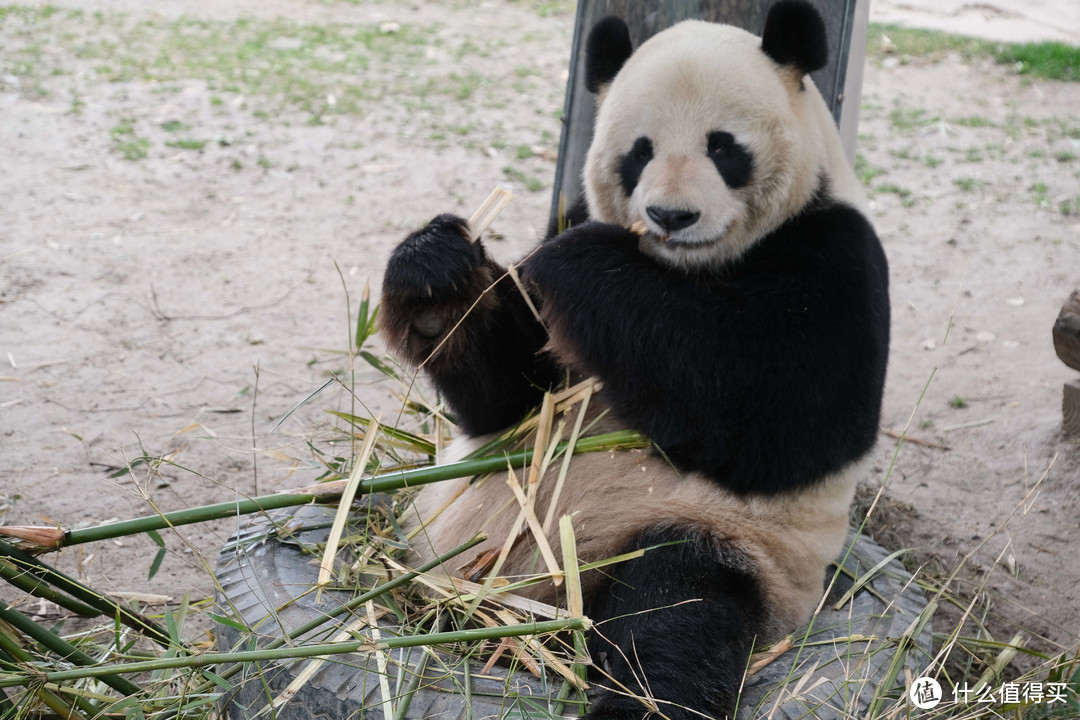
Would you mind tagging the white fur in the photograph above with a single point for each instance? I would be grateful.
(679, 86)
(790, 537)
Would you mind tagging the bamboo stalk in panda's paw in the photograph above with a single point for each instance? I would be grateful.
(485, 214)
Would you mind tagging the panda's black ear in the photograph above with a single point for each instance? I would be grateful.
(795, 35)
(607, 48)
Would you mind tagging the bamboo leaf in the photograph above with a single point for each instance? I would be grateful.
(217, 680)
(234, 624)
(156, 537)
(379, 365)
(170, 625)
(415, 442)
(363, 325)
(159, 557)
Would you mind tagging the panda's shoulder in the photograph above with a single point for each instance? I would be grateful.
(828, 237)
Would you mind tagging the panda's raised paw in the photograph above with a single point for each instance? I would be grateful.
(435, 264)
(434, 276)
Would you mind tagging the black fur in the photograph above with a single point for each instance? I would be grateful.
(684, 600)
(490, 369)
(765, 375)
(734, 162)
(633, 163)
(795, 35)
(607, 48)
(578, 214)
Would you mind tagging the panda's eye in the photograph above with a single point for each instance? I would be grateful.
(720, 142)
(733, 161)
(633, 163)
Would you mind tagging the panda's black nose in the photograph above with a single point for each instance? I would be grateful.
(672, 219)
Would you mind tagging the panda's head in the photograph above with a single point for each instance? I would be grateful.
(707, 134)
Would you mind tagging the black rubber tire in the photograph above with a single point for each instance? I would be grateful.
(266, 585)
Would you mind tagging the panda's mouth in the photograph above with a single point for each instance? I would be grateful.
(683, 239)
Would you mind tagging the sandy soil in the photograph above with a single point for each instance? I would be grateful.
(181, 249)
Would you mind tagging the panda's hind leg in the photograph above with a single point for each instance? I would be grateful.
(676, 625)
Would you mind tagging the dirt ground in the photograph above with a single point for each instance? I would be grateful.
(194, 201)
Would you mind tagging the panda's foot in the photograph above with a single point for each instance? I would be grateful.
(675, 629)
(434, 276)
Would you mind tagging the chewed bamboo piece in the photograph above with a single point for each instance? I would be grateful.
(640, 228)
(488, 210)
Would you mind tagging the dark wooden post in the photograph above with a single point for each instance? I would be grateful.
(839, 82)
(1067, 345)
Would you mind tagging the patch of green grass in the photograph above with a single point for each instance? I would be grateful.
(865, 170)
(127, 143)
(1041, 193)
(974, 121)
(187, 144)
(973, 155)
(544, 8)
(932, 161)
(905, 195)
(531, 184)
(172, 126)
(291, 66)
(908, 118)
(1070, 206)
(957, 402)
(1045, 60)
(1064, 156)
(915, 42)
(968, 184)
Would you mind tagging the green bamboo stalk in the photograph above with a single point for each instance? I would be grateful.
(347, 607)
(384, 482)
(29, 583)
(7, 708)
(71, 586)
(357, 601)
(61, 647)
(376, 592)
(302, 651)
(405, 700)
(10, 648)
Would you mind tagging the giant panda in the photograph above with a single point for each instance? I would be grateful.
(745, 332)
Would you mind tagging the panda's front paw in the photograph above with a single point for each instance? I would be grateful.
(434, 275)
(434, 264)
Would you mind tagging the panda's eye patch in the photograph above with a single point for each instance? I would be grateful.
(633, 163)
(733, 161)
